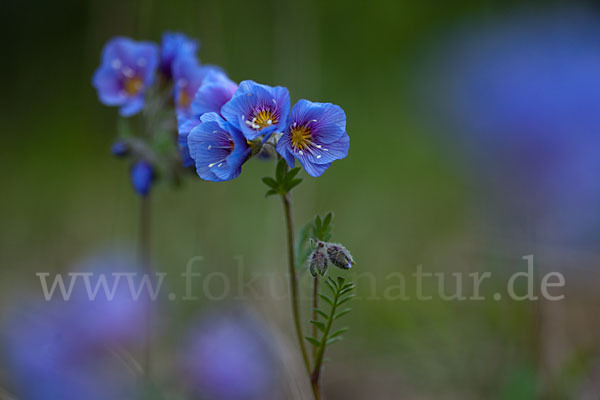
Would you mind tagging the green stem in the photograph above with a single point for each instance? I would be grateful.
(315, 316)
(294, 283)
(144, 259)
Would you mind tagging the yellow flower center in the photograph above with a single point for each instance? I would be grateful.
(262, 119)
(133, 86)
(184, 100)
(300, 136)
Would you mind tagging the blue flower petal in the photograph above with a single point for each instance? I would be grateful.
(216, 90)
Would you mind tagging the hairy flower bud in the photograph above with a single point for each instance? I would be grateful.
(318, 263)
(339, 256)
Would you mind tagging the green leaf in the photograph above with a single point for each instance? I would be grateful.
(332, 282)
(333, 340)
(280, 171)
(328, 218)
(326, 299)
(330, 286)
(341, 281)
(270, 182)
(271, 192)
(342, 313)
(318, 222)
(338, 332)
(344, 291)
(291, 174)
(312, 341)
(321, 313)
(340, 302)
(293, 184)
(318, 324)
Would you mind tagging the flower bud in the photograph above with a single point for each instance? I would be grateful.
(339, 256)
(318, 263)
(142, 175)
(120, 149)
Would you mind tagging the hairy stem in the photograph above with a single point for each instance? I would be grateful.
(315, 316)
(294, 283)
(144, 260)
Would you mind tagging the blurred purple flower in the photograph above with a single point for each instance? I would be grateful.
(126, 71)
(229, 358)
(65, 349)
(523, 96)
(174, 45)
(188, 75)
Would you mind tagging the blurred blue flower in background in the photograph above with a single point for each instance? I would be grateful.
(127, 69)
(216, 90)
(257, 109)
(174, 45)
(69, 349)
(218, 148)
(142, 175)
(523, 97)
(188, 75)
(228, 357)
(316, 136)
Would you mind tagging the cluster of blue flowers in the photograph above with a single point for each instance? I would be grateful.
(220, 124)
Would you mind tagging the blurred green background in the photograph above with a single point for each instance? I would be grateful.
(400, 200)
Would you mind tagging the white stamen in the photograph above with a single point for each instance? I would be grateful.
(318, 156)
(219, 164)
(116, 63)
(314, 120)
(269, 122)
(318, 146)
(209, 146)
(274, 101)
(211, 165)
(294, 125)
(300, 152)
(128, 72)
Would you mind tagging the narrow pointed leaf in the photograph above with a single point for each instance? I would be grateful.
(326, 298)
(333, 340)
(342, 313)
(313, 341)
(345, 299)
(270, 182)
(319, 325)
(322, 314)
(338, 332)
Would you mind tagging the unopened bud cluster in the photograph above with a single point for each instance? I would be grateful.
(325, 253)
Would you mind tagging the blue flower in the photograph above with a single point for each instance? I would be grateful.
(316, 136)
(127, 70)
(218, 148)
(142, 175)
(216, 90)
(229, 356)
(188, 75)
(173, 45)
(522, 95)
(257, 109)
